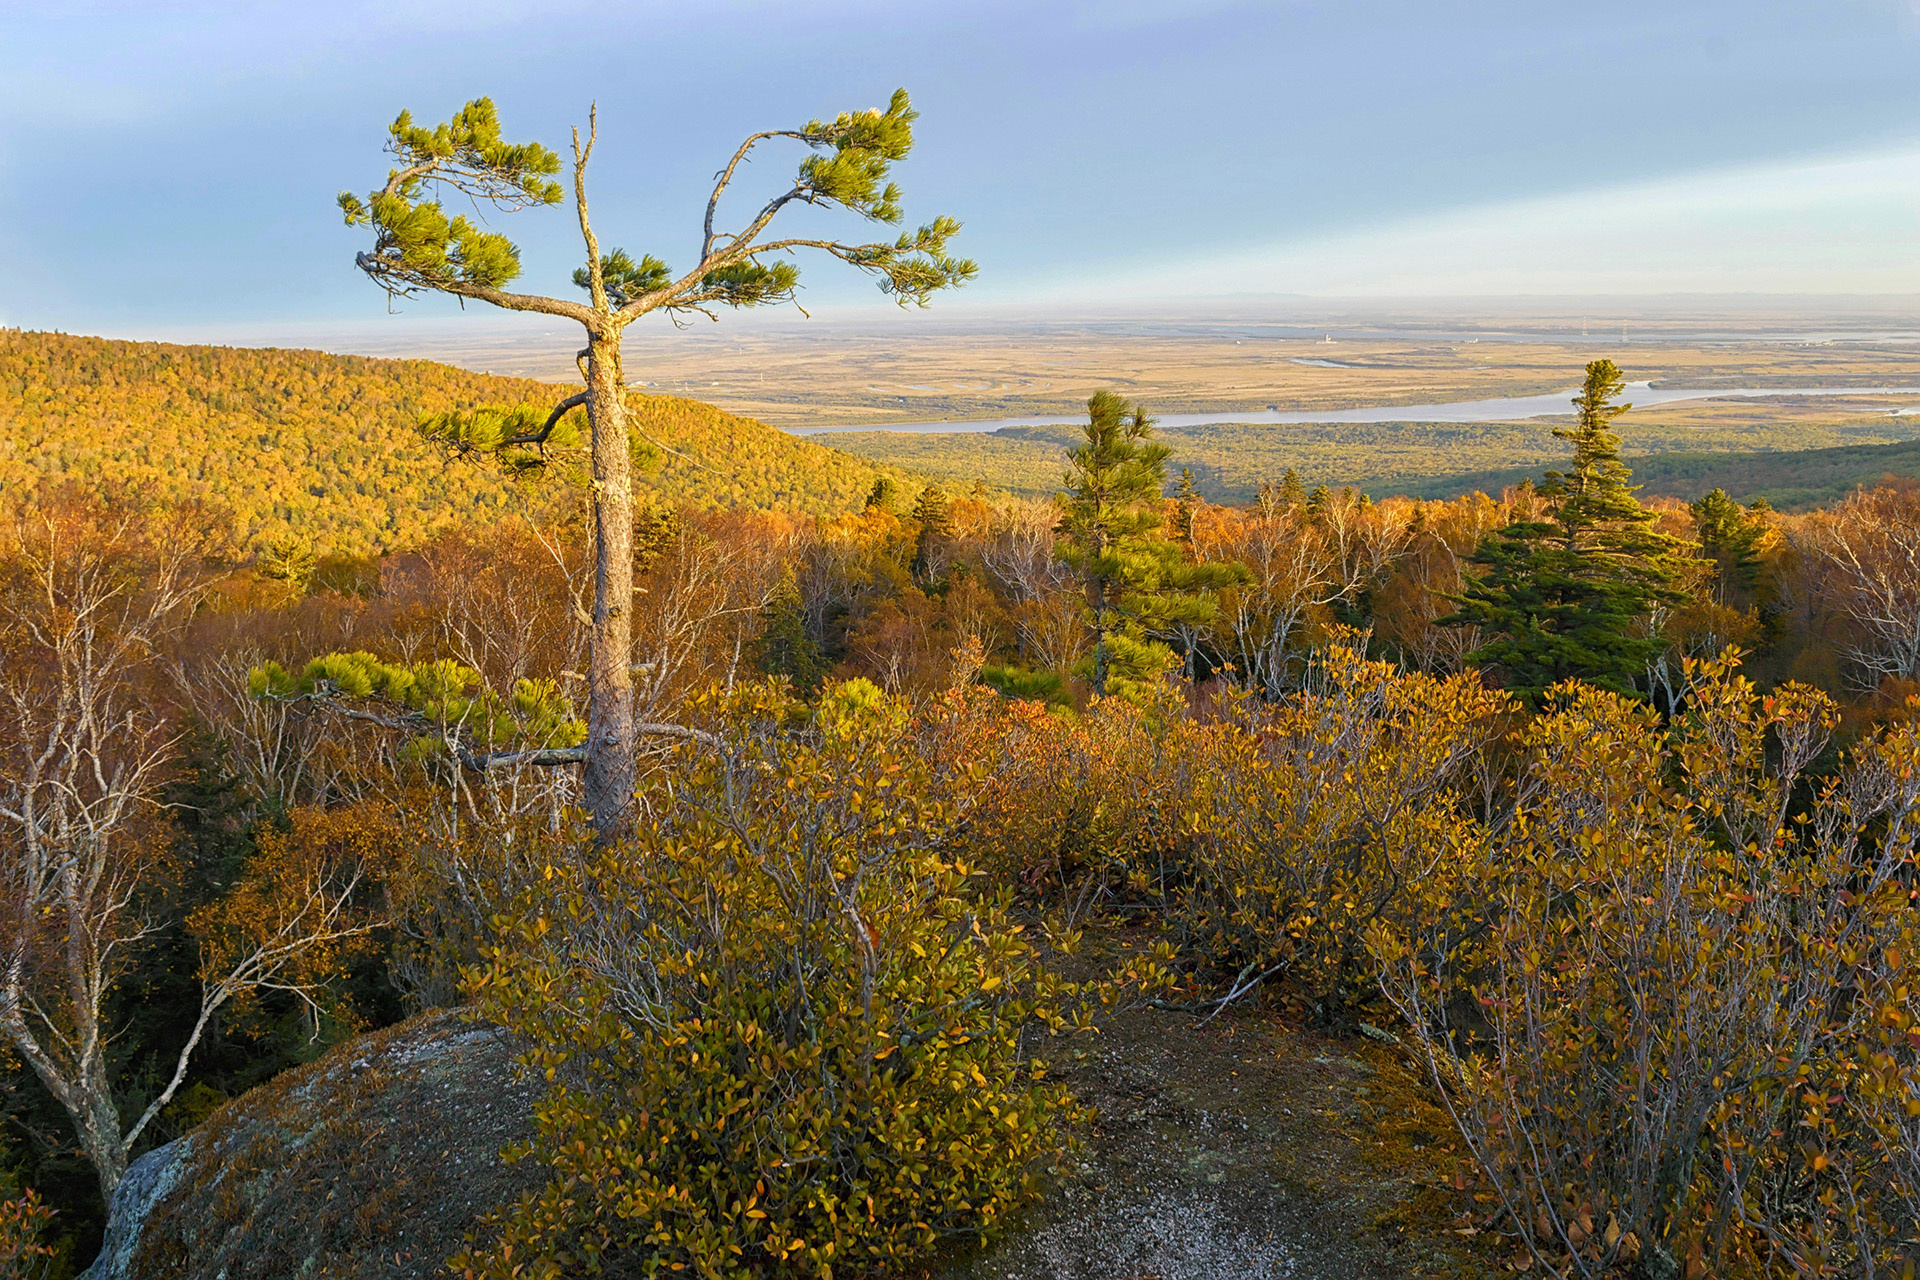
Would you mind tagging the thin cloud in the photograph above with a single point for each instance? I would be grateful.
(1844, 224)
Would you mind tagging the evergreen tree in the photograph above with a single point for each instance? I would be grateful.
(1186, 506)
(785, 647)
(884, 494)
(1731, 538)
(931, 512)
(1137, 583)
(1568, 596)
(290, 560)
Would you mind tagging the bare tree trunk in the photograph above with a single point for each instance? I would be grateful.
(99, 1131)
(609, 782)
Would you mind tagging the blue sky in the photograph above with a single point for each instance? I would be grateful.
(169, 168)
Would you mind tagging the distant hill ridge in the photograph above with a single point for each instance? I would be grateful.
(1789, 479)
(323, 446)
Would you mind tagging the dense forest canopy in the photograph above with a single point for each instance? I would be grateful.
(1369, 754)
(323, 448)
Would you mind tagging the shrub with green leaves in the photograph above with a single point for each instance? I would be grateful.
(784, 1030)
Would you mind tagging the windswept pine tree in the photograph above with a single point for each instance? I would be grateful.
(1138, 584)
(418, 248)
(1571, 594)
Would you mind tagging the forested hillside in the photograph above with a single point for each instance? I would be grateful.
(323, 446)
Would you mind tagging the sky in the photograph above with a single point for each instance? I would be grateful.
(169, 169)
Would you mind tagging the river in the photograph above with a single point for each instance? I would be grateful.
(1502, 409)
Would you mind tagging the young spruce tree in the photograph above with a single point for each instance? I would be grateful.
(1186, 507)
(1732, 537)
(1568, 596)
(932, 513)
(785, 647)
(1137, 583)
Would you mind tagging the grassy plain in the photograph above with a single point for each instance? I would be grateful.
(796, 378)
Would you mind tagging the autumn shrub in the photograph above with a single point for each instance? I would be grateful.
(24, 1252)
(1309, 819)
(465, 865)
(1680, 1041)
(1083, 812)
(786, 1031)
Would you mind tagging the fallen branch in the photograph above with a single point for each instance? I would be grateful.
(1242, 984)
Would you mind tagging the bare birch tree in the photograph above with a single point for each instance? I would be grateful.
(1294, 574)
(83, 848)
(1869, 547)
(1019, 553)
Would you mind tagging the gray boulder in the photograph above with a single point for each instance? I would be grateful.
(380, 1159)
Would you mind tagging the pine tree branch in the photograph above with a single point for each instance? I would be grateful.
(553, 420)
(725, 177)
(400, 279)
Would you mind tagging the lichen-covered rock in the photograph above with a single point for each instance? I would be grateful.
(376, 1161)
(146, 1181)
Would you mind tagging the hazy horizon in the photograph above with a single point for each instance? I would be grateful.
(469, 339)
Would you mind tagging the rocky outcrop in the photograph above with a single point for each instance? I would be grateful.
(377, 1160)
(1236, 1149)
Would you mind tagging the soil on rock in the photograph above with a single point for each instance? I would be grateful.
(1242, 1148)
